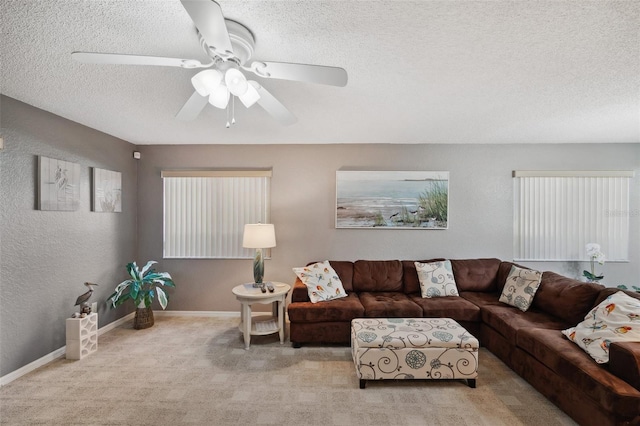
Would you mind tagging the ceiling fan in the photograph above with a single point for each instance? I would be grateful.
(229, 45)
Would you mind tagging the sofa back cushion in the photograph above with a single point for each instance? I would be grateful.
(476, 274)
(503, 272)
(565, 297)
(410, 275)
(377, 275)
(608, 291)
(344, 269)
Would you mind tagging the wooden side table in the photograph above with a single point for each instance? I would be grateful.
(261, 325)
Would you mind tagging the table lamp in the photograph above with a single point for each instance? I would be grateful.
(258, 236)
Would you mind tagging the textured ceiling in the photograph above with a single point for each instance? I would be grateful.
(419, 71)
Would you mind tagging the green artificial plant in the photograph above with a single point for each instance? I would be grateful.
(142, 287)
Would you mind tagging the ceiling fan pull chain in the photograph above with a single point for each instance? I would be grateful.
(233, 110)
(227, 110)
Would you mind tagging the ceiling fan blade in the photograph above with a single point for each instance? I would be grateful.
(208, 17)
(117, 58)
(319, 74)
(273, 106)
(192, 107)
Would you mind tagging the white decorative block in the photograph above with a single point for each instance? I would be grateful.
(82, 336)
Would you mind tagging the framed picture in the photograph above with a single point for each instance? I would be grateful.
(107, 191)
(392, 200)
(58, 184)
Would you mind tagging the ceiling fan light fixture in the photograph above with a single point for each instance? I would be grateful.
(250, 97)
(236, 82)
(219, 98)
(206, 82)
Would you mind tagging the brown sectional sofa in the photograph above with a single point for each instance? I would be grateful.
(529, 342)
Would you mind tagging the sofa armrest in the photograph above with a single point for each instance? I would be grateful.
(624, 362)
(299, 292)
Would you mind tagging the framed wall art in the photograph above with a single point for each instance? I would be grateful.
(392, 199)
(58, 184)
(107, 191)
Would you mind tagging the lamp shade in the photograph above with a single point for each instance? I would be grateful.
(236, 82)
(205, 82)
(219, 98)
(259, 235)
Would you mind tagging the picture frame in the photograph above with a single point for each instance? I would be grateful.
(107, 191)
(392, 199)
(58, 185)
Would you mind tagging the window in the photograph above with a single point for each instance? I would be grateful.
(557, 213)
(205, 211)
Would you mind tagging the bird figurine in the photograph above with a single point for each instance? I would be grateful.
(85, 308)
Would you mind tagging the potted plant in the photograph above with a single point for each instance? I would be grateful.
(141, 288)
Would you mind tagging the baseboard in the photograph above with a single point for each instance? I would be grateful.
(159, 313)
(8, 378)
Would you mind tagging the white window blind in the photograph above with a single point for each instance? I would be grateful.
(557, 213)
(205, 211)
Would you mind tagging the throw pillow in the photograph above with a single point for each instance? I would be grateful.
(436, 279)
(616, 319)
(520, 287)
(322, 281)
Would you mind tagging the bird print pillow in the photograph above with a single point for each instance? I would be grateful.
(322, 282)
(616, 319)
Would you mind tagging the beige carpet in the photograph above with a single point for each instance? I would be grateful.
(188, 370)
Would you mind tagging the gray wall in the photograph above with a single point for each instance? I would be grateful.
(45, 256)
(303, 207)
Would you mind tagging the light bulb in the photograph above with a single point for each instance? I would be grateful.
(236, 82)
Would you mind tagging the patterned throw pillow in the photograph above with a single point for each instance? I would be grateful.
(436, 279)
(322, 281)
(616, 319)
(520, 287)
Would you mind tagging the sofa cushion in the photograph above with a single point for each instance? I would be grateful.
(447, 307)
(507, 320)
(624, 362)
(344, 269)
(322, 281)
(608, 291)
(436, 279)
(377, 275)
(344, 309)
(615, 319)
(480, 299)
(476, 274)
(503, 272)
(389, 305)
(410, 275)
(564, 358)
(565, 298)
(520, 287)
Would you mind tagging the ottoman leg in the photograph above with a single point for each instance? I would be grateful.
(471, 383)
(362, 383)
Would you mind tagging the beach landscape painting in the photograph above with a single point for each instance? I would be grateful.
(392, 199)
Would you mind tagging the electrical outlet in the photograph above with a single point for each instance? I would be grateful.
(94, 307)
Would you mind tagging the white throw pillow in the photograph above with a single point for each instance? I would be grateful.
(616, 319)
(520, 287)
(322, 281)
(436, 279)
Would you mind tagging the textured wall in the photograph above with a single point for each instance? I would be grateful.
(46, 256)
(303, 207)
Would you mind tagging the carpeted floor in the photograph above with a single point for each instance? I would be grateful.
(194, 370)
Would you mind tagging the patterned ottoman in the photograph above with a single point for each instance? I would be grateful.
(413, 348)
